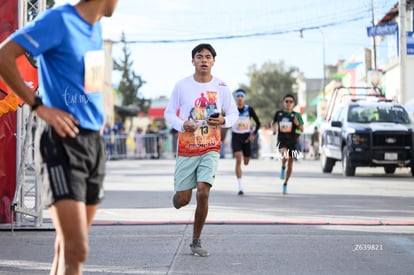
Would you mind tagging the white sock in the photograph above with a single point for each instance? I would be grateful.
(239, 183)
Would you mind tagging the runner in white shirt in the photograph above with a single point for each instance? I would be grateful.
(243, 135)
(195, 111)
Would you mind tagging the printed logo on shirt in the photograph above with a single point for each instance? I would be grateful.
(72, 98)
(205, 137)
(94, 71)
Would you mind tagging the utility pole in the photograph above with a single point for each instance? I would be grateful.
(374, 42)
(402, 9)
(323, 62)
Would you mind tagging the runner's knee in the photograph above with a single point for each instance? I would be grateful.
(203, 194)
(238, 156)
(76, 251)
(183, 199)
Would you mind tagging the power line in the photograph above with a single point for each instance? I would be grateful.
(238, 36)
(258, 21)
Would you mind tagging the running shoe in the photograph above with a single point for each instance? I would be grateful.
(284, 189)
(240, 193)
(197, 250)
(282, 173)
(176, 203)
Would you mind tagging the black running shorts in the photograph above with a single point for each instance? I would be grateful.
(241, 142)
(70, 168)
(291, 146)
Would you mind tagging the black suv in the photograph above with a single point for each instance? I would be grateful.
(367, 133)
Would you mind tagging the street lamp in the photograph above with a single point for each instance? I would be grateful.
(323, 56)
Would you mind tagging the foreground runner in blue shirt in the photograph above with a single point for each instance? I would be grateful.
(70, 160)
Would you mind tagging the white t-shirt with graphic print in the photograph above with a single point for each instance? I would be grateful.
(192, 100)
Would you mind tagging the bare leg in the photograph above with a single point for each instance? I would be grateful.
(53, 270)
(71, 220)
(284, 153)
(203, 192)
(90, 213)
(238, 157)
(289, 169)
(183, 197)
(246, 160)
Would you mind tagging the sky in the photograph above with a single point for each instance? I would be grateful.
(162, 33)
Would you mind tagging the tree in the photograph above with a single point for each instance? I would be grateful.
(130, 82)
(268, 85)
(50, 3)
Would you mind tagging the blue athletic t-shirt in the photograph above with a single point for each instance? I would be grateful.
(71, 62)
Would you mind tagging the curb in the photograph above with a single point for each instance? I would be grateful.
(242, 222)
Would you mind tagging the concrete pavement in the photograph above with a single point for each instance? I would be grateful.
(141, 192)
(327, 224)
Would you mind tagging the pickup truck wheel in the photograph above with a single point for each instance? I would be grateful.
(347, 169)
(327, 164)
(389, 169)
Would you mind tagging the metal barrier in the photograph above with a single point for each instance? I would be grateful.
(139, 146)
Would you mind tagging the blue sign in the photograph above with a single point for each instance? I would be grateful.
(410, 43)
(381, 30)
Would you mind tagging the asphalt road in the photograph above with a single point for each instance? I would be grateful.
(327, 224)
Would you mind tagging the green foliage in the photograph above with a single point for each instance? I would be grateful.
(50, 3)
(311, 113)
(130, 82)
(268, 85)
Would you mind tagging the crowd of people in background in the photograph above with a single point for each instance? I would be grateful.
(159, 141)
(151, 143)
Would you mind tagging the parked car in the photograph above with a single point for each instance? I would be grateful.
(370, 134)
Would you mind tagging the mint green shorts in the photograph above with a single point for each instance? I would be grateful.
(190, 170)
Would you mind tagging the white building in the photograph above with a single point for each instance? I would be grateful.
(387, 55)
